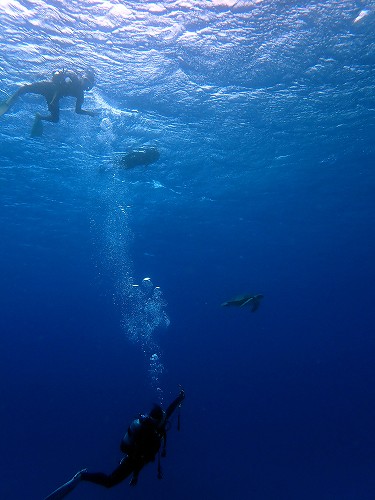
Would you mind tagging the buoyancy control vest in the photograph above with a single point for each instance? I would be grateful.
(143, 437)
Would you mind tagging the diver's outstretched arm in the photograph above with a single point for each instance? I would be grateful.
(175, 404)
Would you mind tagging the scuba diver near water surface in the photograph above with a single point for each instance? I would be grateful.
(64, 83)
(141, 444)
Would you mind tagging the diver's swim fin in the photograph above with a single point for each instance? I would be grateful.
(66, 488)
(37, 128)
(4, 106)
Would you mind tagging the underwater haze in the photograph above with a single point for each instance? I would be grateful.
(112, 278)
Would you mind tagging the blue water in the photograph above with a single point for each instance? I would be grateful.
(263, 113)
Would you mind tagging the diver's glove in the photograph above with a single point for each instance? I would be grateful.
(181, 394)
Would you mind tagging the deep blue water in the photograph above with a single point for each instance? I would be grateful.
(263, 113)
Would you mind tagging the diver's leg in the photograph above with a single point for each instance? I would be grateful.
(108, 480)
(47, 89)
(53, 107)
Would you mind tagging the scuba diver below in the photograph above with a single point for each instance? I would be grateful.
(137, 157)
(140, 444)
(64, 83)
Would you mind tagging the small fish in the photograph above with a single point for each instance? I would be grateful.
(253, 301)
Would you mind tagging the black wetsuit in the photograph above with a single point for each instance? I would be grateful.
(134, 462)
(68, 84)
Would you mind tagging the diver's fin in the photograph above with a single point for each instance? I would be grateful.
(4, 106)
(66, 488)
(37, 128)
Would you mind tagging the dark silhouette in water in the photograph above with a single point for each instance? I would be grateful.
(64, 83)
(253, 301)
(140, 445)
(142, 156)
